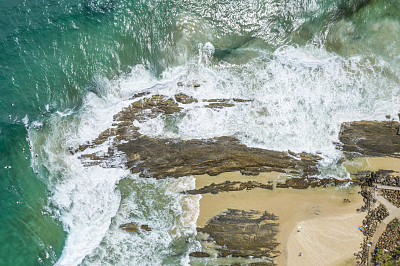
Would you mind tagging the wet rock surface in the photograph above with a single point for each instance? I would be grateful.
(161, 158)
(199, 254)
(370, 138)
(229, 186)
(304, 183)
(134, 227)
(243, 233)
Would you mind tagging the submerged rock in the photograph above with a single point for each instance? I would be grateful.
(370, 138)
(244, 233)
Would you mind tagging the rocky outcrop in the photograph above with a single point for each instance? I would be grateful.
(370, 138)
(161, 158)
(199, 254)
(243, 233)
(303, 183)
(228, 186)
(134, 227)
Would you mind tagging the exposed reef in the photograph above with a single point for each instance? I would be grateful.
(370, 138)
(161, 158)
(134, 227)
(303, 183)
(229, 186)
(242, 233)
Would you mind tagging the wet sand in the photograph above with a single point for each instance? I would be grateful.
(373, 164)
(329, 226)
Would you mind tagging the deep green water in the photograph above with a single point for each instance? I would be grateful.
(56, 53)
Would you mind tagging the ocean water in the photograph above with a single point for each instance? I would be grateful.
(67, 66)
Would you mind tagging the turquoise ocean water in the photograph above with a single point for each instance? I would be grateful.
(66, 66)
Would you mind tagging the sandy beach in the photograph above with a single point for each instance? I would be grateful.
(328, 234)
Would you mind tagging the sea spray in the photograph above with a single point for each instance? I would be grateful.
(170, 215)
(87, 200)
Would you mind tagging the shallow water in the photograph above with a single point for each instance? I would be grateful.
(68, 66)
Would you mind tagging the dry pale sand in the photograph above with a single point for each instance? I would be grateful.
(329, 234)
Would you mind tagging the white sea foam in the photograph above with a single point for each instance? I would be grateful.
(88, 199)
(299, 97)
(170, 216)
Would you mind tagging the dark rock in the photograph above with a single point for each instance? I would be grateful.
(161, 158)
(209, 156)
(244, 233)
(303, 183)
(219, 105)
(198, 254)
(228, 186)
(134, 227)
(370, 138)
(182, 98)
(140, 94)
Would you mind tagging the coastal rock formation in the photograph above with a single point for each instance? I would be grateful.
(303, 183)
(161, 158)
(370, 138)
(243, 233)
(134, 227)
(199, 254)
(228, 186)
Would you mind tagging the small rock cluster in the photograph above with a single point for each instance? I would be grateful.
(386, 177)
(367, 196)
(389, 241)
(370, 223)
(373, 218)
(393, 196)
(134, 227)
